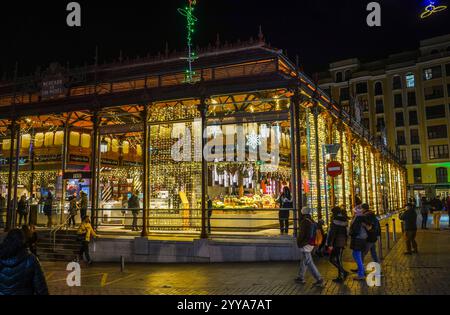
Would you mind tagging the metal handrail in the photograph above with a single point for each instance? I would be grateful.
(57, 229)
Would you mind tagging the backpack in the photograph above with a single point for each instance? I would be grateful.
(316, 236)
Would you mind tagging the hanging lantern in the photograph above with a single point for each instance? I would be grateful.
(103, 146)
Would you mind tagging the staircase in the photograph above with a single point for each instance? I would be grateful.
(65, 249)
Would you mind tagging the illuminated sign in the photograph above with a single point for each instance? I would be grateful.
(431, 8)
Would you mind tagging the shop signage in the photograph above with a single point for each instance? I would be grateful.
(53, 82)
(78, 158)
(77, 175)
(110, 162)
(131, 163)
(48, 158)
(334, 169)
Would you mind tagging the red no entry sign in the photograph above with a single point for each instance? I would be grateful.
(334, 169)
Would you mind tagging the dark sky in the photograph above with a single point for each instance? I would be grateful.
(319, 31)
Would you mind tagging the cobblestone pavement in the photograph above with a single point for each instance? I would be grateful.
(426, 273)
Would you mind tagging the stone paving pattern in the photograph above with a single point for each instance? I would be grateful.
(427, 273)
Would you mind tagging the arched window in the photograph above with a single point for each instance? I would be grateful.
(397, 83)
(442, 175)
(348, 75)
(338, 77)
(378, 88)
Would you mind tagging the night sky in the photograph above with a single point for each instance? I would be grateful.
(319, 31)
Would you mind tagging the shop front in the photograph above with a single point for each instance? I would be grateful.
(157, 156)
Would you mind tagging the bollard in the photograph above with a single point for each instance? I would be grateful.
(394, 231)
(380, 248)
(122, 264)
(388, 245)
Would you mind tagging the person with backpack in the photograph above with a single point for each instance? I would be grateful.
(410, 219)
(373, 234)
(358, 244)
(309, 237)
(285, 201)
(337, 240)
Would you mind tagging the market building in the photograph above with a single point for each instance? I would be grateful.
(111, 130)
(404, 100)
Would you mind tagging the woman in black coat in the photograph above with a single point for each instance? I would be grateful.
(20, 271)
(285, 201)
(337, 240)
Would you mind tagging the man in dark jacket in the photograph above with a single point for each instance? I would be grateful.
(372, 234)
(337, 240)
(304, 244)
(410, 219)
(20, 271)
(83, 205)
(134, 205)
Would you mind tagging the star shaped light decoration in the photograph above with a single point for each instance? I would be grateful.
(253, 140)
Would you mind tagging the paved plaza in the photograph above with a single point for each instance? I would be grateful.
(427, 273)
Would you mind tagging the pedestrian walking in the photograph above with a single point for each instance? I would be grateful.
(410, 219)
(358, 244)
(20, 271)
(83, 205)
(372, 234)
(48, 209)
(285, 202)
(73, 210)
(85, 234)
(307, 239)
(337, 241)
(22, 209)
(134, 205)
(424, 211)
(437, 213)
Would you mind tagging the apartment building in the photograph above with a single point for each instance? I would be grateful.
(403, 99)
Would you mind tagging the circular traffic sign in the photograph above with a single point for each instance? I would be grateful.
(334, 169)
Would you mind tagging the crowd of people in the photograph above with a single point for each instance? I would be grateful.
(362, 231)
(434, 206)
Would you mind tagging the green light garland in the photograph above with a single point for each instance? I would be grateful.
(191, 20)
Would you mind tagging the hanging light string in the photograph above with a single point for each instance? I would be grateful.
(191, 21)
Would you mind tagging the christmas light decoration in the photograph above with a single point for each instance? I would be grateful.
(191, 20)
(432, 7)
(254, 140)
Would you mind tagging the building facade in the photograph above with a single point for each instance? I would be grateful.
(404, 100)
(138, 127)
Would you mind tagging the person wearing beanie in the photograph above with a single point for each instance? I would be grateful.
(306, 229)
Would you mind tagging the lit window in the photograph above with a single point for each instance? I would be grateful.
(428, 74)
(410, 80)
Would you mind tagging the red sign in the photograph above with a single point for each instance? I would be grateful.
(334, 169)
